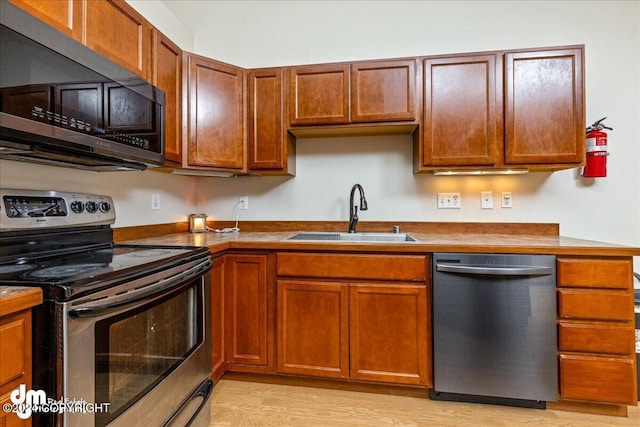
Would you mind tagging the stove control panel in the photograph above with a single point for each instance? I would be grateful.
(27, 209)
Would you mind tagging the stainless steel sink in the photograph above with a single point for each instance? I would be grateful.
(353, 237)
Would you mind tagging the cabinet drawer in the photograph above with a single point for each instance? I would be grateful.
(341, 266)
(601, 379)
(590, 273)
(595, 304)
(596, 338)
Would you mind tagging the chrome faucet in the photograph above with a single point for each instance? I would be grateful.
(353, 209)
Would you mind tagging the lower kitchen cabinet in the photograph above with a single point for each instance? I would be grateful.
(245, 307)
(367, 332)
(217, 317)
(358, 317)
(597, 359)
(15, 361)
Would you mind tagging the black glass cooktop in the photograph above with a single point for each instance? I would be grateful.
(63, 275)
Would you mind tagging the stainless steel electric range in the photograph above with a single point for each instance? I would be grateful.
(123, 328)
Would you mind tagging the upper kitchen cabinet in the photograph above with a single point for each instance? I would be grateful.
(271, 147)
(383, 91)
(319, 95)
(215, 124)
(110, 27)
(167, 75)
(115, 30)
(544, 107)
(63, 15)
(362, 92)
(503, 110)
(462, 115)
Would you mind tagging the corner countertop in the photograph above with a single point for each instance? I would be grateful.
(426, 243)
(18, 298)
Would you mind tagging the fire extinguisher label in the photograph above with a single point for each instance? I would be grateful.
(596, 144)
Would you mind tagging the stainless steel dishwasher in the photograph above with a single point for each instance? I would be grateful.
(494, 329)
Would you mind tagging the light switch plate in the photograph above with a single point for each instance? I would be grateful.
(507, 201)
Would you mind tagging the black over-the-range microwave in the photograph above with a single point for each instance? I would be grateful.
(63, 104)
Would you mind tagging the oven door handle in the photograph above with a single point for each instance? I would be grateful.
(179, 418)
(144, 294)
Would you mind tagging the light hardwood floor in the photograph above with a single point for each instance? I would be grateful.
(250, 404)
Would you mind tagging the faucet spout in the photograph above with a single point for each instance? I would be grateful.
(353, 209)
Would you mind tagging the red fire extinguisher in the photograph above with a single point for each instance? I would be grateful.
(596, 162)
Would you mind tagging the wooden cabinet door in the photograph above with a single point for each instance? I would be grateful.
(269, 143)
(115, 30)
(63, 15)
(167, 75)
(215, 111)
(319, 94)
(217, 316)
(246, 309)
(544, 111)
(383, 91)
(313, 328)
(462, 114)
(389, 333)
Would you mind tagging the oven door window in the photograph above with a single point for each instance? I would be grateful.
(136, 349)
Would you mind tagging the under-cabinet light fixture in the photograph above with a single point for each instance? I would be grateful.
(197, 223)
(474, 172)
(196, 172)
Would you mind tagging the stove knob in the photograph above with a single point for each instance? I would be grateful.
(92, 207)
(77, 207)
(104, 207)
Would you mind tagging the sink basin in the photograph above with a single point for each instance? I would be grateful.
(353, 237)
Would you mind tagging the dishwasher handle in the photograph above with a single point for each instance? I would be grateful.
(485, 270)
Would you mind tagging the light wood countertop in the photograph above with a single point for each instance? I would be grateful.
(426, 242)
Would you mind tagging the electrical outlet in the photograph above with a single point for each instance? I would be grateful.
(155, 202)
(449, 201)
(243, 203)
(486, 200)
(506, 199)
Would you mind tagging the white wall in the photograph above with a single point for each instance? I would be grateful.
(162, 18)
(131, 191)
